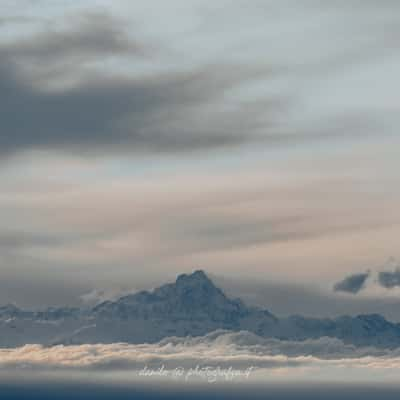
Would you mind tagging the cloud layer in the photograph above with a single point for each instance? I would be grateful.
(268, 358)
(97, 82)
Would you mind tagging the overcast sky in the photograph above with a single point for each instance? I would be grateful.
(142, 139)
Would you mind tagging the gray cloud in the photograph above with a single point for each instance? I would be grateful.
(285, 299)
(91, 35)
(174, 111)
(352, 284)
(120, 114)
(63, 89)
(389, 279)
(54, 53)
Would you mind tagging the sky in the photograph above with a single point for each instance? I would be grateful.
(255, 140)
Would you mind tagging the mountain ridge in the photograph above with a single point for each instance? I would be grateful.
(190, 306)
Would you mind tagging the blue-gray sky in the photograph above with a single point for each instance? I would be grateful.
(143, 139)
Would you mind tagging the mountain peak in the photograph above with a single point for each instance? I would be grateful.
(196, 282)
(191, 297)
(197, 276)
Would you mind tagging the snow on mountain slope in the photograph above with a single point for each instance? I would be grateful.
(191, 306)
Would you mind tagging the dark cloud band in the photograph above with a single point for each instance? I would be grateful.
(110, 111)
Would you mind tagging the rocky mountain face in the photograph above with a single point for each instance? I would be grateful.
(193, 306)
(191, 298)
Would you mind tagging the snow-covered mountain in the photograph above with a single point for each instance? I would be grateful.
(193, 306)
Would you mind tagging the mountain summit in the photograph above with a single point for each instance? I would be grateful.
(192, 305)
(197, 277)
(196, 286)
(190, 297)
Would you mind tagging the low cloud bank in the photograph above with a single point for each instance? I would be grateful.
(220, 348)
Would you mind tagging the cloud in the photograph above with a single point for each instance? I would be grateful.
(285, 299)
(92, 85)
(222, 349)
(390, 279)
(57, 94)
(116, 114)
(85, 37)
(352, 284)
